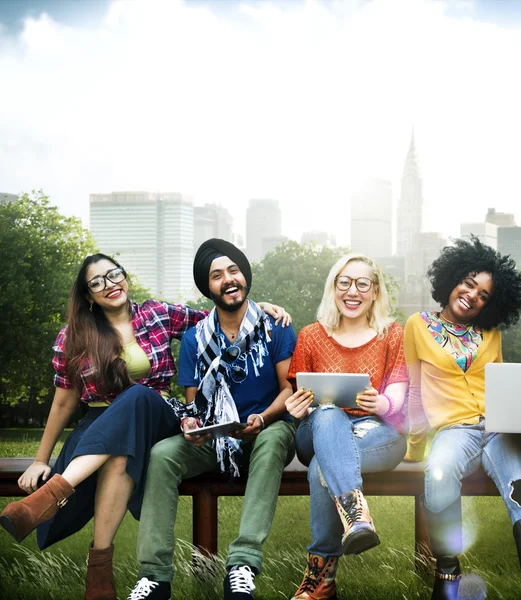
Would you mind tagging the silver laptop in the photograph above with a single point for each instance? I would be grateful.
(503, 397)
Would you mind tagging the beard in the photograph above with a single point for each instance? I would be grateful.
(220, 302)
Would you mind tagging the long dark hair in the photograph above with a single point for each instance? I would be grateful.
(91, 337)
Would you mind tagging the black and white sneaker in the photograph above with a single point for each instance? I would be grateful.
(146, 589)
(238, 584)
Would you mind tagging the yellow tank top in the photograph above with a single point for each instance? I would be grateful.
(138, 365)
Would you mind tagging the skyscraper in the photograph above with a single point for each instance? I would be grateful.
(319, 238)
(263, 221)
(500, 219)
(509, 242)
(410, 205)
(485, 232)
(371, 218)
(212, 221)
(415, 294)
(5, 198)
(152, 235)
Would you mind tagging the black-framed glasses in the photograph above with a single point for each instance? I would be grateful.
(99, 283)
(363, 284)
(231, 356)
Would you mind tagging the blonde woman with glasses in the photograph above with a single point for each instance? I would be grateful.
(353, 334)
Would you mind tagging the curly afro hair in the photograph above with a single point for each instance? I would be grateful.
(457, 262)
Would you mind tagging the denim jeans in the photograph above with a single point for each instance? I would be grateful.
(341, 447)
(458, 451)
(174, 459)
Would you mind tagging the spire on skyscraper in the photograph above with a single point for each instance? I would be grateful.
(410, 205)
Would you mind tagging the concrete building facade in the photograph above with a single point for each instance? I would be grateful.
(485, 232)
(212, 221)
(371, 218)
(263, 222)
(410, 204)
(152, 235)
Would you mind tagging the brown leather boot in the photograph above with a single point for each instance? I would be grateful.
(100, 577)
(21, 517)
(359, 532)
(319, 579)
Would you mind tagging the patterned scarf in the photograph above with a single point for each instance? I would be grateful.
(213, 400)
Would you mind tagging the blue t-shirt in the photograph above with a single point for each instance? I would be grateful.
(254, 394)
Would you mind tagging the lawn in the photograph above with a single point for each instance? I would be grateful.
(490, 561)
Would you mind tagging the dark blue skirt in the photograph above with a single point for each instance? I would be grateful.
(135, 421)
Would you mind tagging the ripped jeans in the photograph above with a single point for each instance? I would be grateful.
(338, 447)
(458, 451)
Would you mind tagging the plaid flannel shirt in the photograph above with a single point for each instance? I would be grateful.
(155, 324)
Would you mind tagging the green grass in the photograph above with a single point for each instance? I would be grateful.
(387, 572)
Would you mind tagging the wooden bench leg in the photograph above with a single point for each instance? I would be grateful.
(205, 522)
(422, 546)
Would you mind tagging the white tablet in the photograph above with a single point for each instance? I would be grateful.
(334, 388)
(219, 430)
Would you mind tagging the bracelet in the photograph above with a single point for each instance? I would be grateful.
(390, 411)
(262, 421)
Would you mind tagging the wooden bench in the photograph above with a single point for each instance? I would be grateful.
(405, 480)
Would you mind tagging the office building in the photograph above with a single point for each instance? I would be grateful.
(5, 198)
(410, 204)
(263, 221)
(319, 238)
(152, 235)
(415, 293)
(509, 242)
(212, 221)
(371, 218)
(500, 219)
(485, 232)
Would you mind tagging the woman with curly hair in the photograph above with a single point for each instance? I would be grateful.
(354, 333)
(479, 291)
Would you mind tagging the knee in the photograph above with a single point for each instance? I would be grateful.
(116, 466)
(139, 393)
(441, 471)
(275, 442)
(324, 418)
(165, 450)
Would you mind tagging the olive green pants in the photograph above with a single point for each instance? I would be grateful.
(174, 459)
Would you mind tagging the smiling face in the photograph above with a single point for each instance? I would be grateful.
(351, 303)
(228, 287)
(469, 298)
(115, 295)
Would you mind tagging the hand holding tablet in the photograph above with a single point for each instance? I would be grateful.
(339, 389)
(217, 431)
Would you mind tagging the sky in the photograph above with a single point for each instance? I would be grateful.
(294, 100)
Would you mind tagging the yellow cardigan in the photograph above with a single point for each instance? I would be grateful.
(440, 392)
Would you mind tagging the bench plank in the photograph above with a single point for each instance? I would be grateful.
(205, 489)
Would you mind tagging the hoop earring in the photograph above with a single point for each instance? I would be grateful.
(91, 304)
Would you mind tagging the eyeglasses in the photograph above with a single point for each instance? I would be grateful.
(231, 356)
(363, 284)
(99, 283)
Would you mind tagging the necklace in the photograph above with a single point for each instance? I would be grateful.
(231, 334)
(452, 322)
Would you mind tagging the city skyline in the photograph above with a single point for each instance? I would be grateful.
(295, 101)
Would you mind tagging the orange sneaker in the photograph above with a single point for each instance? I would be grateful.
(319, 579)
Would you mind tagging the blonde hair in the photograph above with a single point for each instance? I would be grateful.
(378, 316)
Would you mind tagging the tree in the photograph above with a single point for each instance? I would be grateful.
(512, 343)
(294, 275)
(40, 253)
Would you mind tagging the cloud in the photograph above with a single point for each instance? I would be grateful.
(291, 101)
